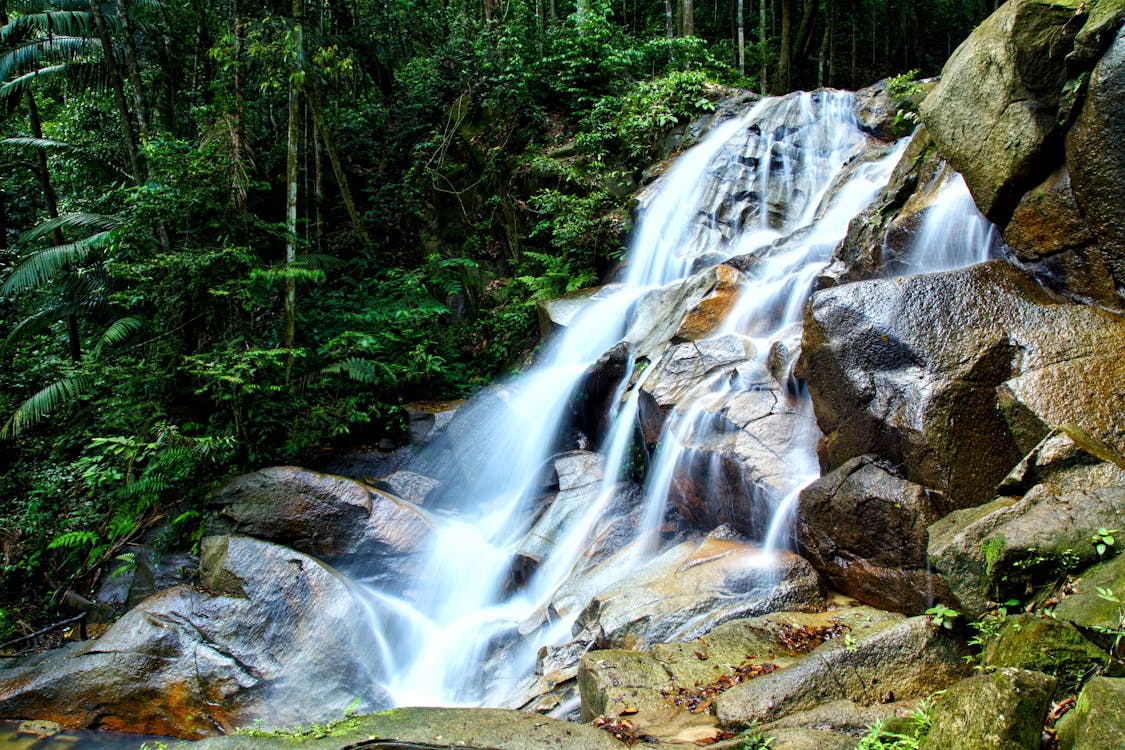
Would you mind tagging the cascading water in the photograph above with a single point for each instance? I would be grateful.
(776, 189)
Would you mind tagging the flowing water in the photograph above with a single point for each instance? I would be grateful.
(777, 186)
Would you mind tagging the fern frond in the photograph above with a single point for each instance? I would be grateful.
(73, 539)
(120, 330)
(47, 263)
(362, 370)
(316, 261)
(44, 402)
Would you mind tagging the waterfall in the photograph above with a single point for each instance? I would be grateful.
(771, 192)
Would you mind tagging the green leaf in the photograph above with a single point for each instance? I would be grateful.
(46, 401)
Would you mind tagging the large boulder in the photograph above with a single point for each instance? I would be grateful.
(909, 370)
(320, 514)
(1048, 645)
(1097, 720)
(684, 592)
(1084, 604)
(1095, 154)
(1036, 530)
(1003, 710)
(864, 529)
(994, 114)
(272, 635)
(910, 659)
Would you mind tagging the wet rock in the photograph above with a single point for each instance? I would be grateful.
(1095, 153)
(408, 485)
(273, 635)
(705, 318)
(909, 369)
(686, 592)
(615, 682)
(1083, 605)
(440, 729)
(148, 572)
(1003, 710)
(875, 111)
(1048, 645)
(844, 717)
(864, 529)
(1034, 532)
(801, 738)
(320, 514)
(1097, 720)
(994, 113)
(908, 660)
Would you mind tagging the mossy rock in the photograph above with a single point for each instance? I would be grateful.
(429, 729)
(1097, 721)
(1045, 645)
(1085, 607)
(1002, 710)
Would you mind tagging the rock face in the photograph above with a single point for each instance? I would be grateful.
(319, 514)
(864, 529)
(1003, 710)
(1097, 719)
(995, 109)
(273, 635)
(909, 370)
(909, 660)
(1037, 529)
(1085, 606)
(1095, 154)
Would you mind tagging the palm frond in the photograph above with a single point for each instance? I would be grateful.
(31, 56)
(15, 87)
(121, 330)
(45, 264)
(49, 23)
(45, 402)
(84, 221)
(33, 143)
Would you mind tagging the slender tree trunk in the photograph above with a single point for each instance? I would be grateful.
(669, 22)
(51, 201)
(762, 46)
(687, 17)
(830, 9)
(803, 44)
(741, 42)
(291, 206)
(140, 106)
(113, 73)
(337, 167)
(238, 127)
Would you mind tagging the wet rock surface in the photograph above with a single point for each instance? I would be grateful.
(273, 634)
(909, 370)
(1003, 710)
(864, 529)
(1098, 717)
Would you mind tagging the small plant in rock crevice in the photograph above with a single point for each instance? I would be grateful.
(942, 616)
(1102, 539)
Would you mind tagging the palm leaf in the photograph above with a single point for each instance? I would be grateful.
(82, 221)
(46, 401)
(121, 330)
(33, 143)
(51, 23)
(31, 56)
(49, 262)
(15, 87)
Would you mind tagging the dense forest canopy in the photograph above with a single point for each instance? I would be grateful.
(235, 234)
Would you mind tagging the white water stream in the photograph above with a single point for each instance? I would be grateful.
(780, 184)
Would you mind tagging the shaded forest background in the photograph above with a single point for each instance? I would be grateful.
(237, 234)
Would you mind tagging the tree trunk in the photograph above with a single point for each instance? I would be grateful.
(136, 161)
(785, 54)
(687, 17)
(132, 71)
(669, 19)
(337, 167)
(763, 35)
(291, 205)
(51, 201)
(741, 42)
